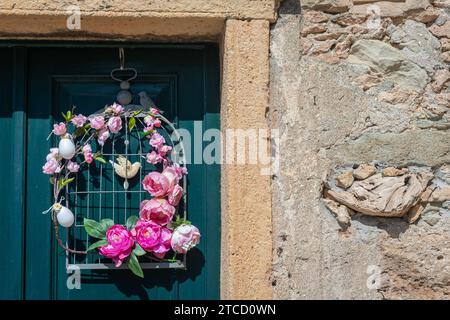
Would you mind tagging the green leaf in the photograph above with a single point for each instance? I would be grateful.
(146, 133)
(131, 222)
(79, 132)
(94, 229)
(105, 224)
(97, 244)
(64, 182)
(52, 180)
(134, 265)
(179, 221)
(69, 115)
(99, 158)
(131, 123)
(138, 250)
(64, 116)
(138, 112)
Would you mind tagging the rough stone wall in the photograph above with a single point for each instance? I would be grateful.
(349, 87)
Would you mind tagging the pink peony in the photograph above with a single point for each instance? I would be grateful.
(97, 122)
(184, 238)
(59, 129)
(148, 120)
(51, 166)
(156, 184)
(152, 237)
(153, 157)
(103, 135)
(117, 108)
(54, 152)
(157, 123)
(164, 243)
(157, 210)
(157, 140)
(73, 166)
(79, 120)
(120, 244)
(175, 196)
(164, 150)
(87, 153)
(115, 124)
(172, 176)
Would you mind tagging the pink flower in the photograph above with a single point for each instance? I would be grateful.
(59, 129)
(154, 111)
(79, 120)
(87, 153)
(73, 166)
(115, 124)
(180, 170)
(157, 123)
(103, 135)
(172, 176)
(148, 120)
(120, 244)
(175, 196)
(157, 210)
(157, 140)
(156, 184)
(152, 237)
(164, 150)
(184, 238)
(164, 243)
(153, 157)
(97, 122)
(148, 129)
(54, 152)
(117, 108)
(51, 166)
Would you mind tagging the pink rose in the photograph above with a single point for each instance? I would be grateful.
(117, 108)
(164, 150)
(152, 237)
(164, 243)
(103, 135)
(73, 166)
(54, 152)
(87, 153)
(153, 157)
(79, 120)
(184, 238)
(157, 123)
(154, 111)
(97, 122)
(172, 176)
(157, 140)
(157, 210)
(156, 184)
(148, 120)
(175, 196)
(59, 129)
(51, 167)
(120, 244)
(115, 124)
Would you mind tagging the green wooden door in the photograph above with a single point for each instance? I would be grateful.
(37, 83)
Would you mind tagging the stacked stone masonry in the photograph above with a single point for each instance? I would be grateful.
(360, 93)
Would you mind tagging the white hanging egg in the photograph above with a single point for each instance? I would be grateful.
(64, 216)
(66, 148)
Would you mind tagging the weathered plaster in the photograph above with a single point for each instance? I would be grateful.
(246, 200)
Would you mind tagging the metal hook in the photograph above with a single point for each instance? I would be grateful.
(122, 58)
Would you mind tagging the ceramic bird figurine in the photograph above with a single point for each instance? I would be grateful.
(125, 169)
(145, 100)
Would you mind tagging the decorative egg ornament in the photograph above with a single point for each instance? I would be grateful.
(66, 148)
(64, 216)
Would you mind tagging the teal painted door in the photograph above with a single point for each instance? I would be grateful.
(38, 83)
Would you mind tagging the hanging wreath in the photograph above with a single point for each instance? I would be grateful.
(158, 228)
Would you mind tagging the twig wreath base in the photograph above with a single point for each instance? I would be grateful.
(158, 229)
